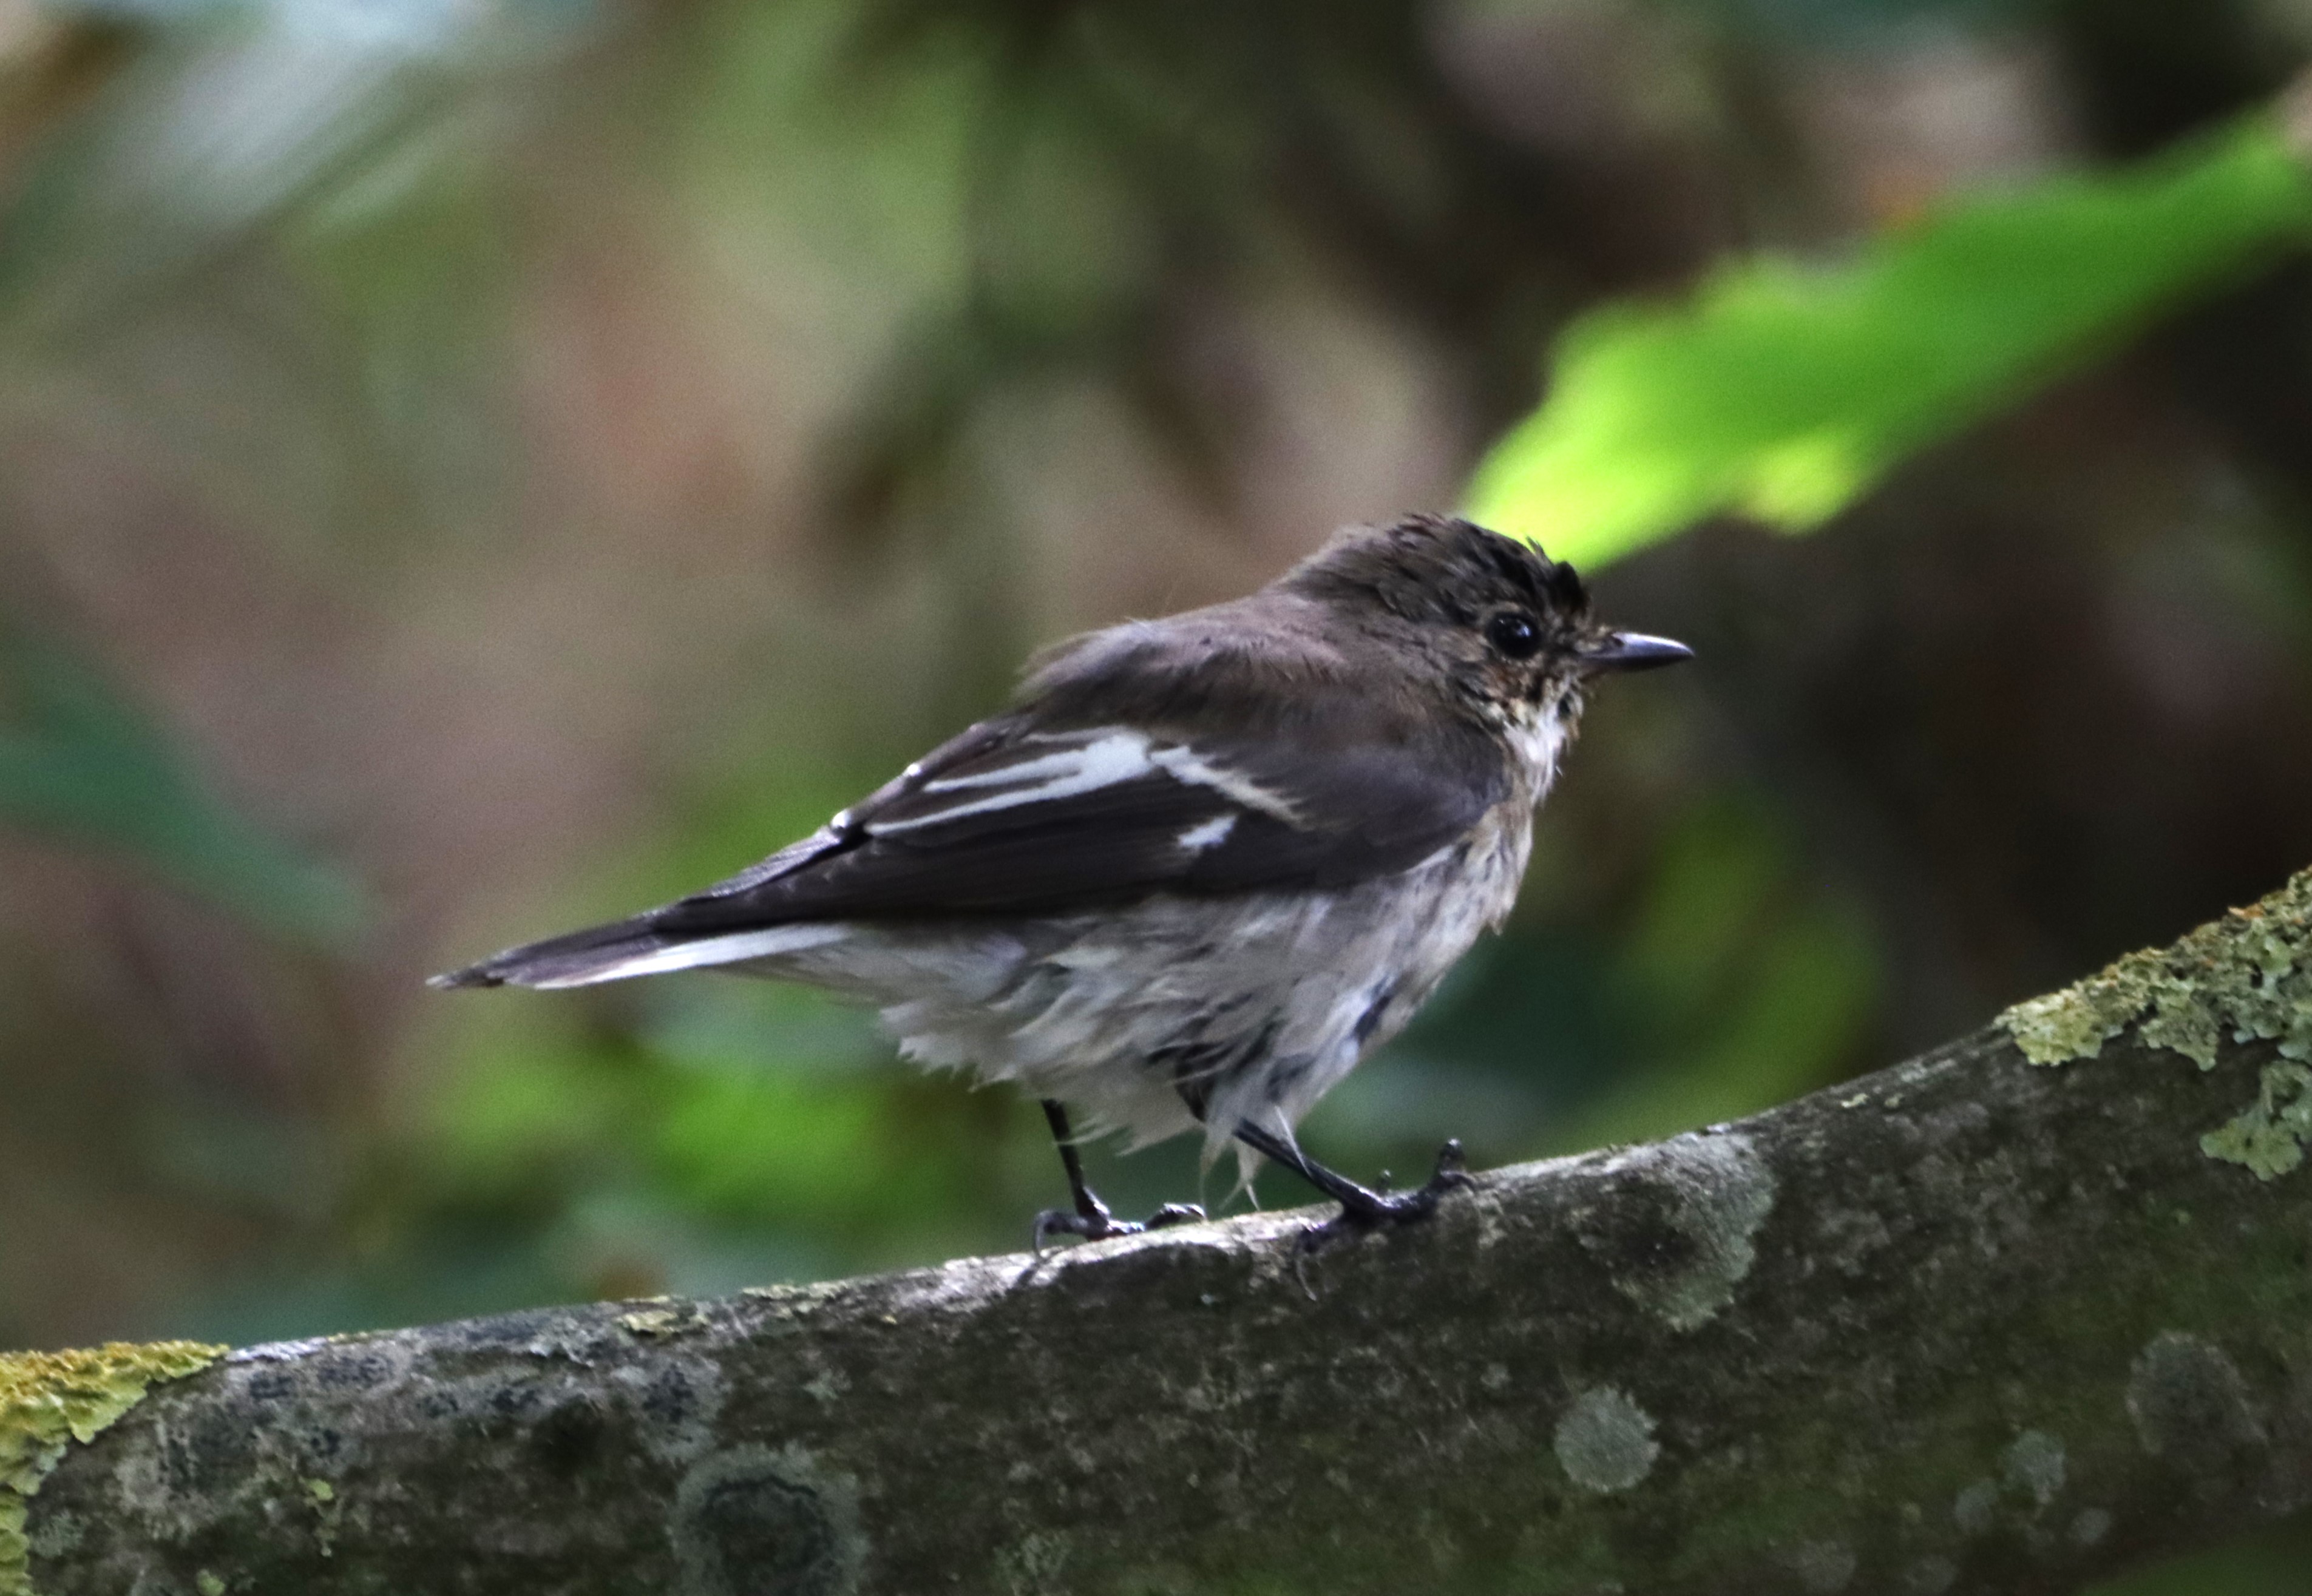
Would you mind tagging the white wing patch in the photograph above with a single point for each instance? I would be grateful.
(735, 949)
(1184, 764)
(1211, 833)
(1108, 759)
(1088, 762)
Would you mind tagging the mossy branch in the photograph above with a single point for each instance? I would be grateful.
(1971, 1324)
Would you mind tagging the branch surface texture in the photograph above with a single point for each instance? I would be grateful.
(2009, 1317)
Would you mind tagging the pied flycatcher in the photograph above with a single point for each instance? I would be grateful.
(1200, 867)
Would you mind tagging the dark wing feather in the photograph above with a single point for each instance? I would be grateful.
(966, 831)
(1048, 810)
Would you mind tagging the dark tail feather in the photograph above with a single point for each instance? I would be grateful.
(647, 945)
(574, 959)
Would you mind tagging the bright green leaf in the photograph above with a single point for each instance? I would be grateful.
(1783, 391)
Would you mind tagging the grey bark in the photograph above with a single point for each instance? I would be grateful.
(1970, 1324)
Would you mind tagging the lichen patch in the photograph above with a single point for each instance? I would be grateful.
(328, 1513)
(49, 1400)
(1930, 1576)
(2190, 1406)
(2035, 1465)
(1037, 1565)
(1824, 1567)
(1683, 1254)
(2247, 976)
(798, 1302)
(678, 1319)
(2267, 1136)
(760, 1523)
(1975, 1509)
(1605, 1441)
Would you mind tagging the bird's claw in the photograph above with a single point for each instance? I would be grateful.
(1099, 1224)
(1370, 1210)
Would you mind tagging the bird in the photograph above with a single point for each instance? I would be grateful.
(1198, 868)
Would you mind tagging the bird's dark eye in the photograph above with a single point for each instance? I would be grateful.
(1514, 634)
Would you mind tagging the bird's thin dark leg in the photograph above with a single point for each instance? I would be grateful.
(1088, 1205)
(1091, 1220)
(1362, 1207)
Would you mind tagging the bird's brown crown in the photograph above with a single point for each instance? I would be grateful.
(1440, 571)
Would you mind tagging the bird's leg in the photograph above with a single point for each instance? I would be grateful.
(1362, 1207)
(1091, 1220)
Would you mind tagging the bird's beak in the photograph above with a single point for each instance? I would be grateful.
(1633, 651)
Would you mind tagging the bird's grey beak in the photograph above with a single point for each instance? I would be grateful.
(1633, 651)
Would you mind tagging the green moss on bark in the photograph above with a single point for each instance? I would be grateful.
(2268, 1137)
(2247, 976)
(50, 1399)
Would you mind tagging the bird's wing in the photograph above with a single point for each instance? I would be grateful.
(1016, 816)
(1011, 818)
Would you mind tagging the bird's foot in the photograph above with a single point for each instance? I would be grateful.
(1092, 1222)
(1363, 1210)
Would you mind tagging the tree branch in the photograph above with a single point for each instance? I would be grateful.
(1970, 1324)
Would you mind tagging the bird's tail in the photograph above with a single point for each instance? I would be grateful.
(641, 946)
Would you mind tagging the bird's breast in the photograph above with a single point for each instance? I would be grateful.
(1537, 735)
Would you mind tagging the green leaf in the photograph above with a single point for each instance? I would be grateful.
(79, 762)
(1783, 391)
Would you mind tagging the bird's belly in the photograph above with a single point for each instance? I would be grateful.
(1248, 1007)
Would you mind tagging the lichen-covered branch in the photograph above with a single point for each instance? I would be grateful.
(2006, 1318)
(49, 1400)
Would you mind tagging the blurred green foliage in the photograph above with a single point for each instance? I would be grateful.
(1744, 984)
(1785, 390)
(80, 761)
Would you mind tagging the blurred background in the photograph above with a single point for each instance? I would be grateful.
(473, 466)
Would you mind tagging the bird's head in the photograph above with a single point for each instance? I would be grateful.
(1503, 627)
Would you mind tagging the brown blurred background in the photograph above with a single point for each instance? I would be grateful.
(468, 467)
